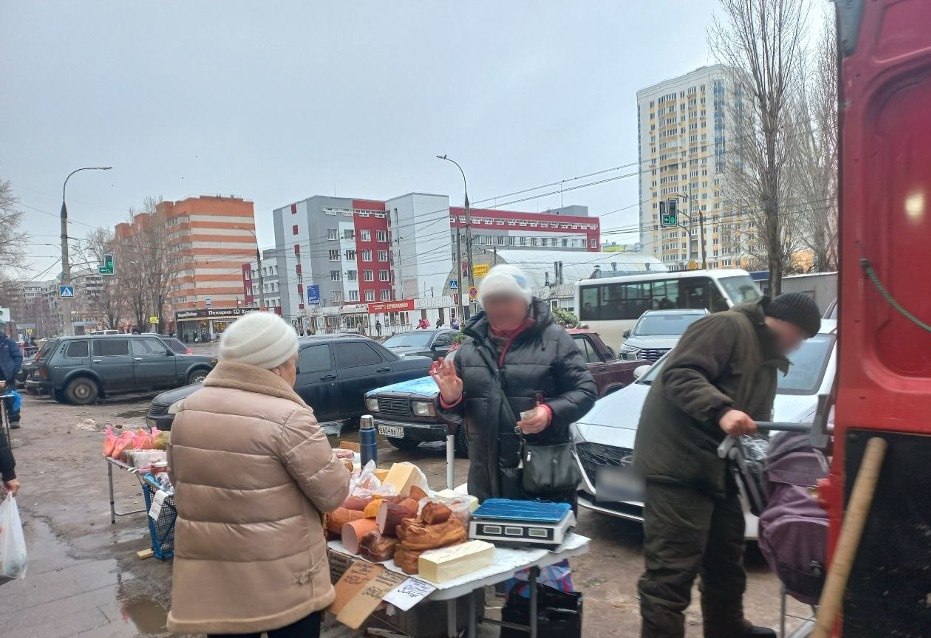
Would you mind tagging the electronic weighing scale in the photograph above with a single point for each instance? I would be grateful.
(522, 523)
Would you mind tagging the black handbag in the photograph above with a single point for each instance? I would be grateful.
(546, 469)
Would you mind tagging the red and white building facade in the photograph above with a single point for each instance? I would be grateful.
(341, 263)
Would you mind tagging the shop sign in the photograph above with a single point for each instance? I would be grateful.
(480, 270)
(400, 305)
(213, 313)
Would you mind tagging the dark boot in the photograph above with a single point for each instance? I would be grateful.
(760, 632)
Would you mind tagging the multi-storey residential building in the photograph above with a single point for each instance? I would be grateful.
(343, 258)
(269, 281)
(209, 238)
(682, 138)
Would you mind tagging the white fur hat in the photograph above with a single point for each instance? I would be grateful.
(505, 280)
(261, 339)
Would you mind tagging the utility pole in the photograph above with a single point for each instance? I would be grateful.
(468, 216)
(701, 239)
(67, 325)
(459, 285)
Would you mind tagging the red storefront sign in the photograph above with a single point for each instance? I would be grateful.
(391, 306)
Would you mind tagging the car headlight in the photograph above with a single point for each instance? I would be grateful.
(371, 404)
(423, 408)
(629, 352)
(174, 407)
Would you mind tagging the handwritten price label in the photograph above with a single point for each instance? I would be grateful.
(409, 593)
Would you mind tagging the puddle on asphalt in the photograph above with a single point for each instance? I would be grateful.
(148, 616)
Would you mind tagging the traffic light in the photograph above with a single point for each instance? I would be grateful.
(668, 214)
(108, 267)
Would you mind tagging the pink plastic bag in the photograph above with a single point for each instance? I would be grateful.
(109, 441)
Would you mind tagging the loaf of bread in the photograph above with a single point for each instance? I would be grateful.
(417, 535)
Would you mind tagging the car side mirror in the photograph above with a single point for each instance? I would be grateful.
(639, 371)
(626, 334)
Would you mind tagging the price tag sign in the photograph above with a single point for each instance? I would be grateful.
(157, 502)
(409, 593)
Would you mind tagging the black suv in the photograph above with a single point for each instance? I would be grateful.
(333, 374)
(82, 369)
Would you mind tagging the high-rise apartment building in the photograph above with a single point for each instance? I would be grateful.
(683, 137)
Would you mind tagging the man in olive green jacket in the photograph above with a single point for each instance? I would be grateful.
(719, 380)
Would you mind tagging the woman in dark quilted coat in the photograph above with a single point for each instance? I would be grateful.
(541, 370)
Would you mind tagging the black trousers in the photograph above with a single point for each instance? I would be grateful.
(307, 627)
(687, 534)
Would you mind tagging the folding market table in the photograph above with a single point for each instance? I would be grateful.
(508, 561)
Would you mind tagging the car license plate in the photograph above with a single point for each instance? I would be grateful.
(618, 484)
(394, 431)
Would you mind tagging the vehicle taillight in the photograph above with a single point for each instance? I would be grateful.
(188, 351)
(43, 372)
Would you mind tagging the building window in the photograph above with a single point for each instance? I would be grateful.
(294, 209)
(510, 241)
(382, 255)
(370, 295)
(351, 255)
(523, 241)
(337, 297)
(533, 241)
(592, 243)
(334, 255)
(294, 229)
(382, 275)
(381, 235)
(366, 254)
(368, 275)
(353, 295)
(332, 234)
(335, 275)
(349, 234)
(544, 241)
(500, 240)
(366, 235)
(386, 295)
(352, 275)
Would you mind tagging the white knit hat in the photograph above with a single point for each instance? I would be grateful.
(505, 280)
(261, 339)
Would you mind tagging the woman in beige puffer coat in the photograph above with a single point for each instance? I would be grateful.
(253, 472)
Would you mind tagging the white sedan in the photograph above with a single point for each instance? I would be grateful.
(605, 436)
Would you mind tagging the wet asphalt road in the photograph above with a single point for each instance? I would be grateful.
(85, 580)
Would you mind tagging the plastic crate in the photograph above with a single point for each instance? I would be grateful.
(162, 531)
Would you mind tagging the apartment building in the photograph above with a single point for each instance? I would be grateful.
(682, 139)
(266, 283)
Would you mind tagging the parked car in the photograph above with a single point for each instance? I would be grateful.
(421, 343)
(405, 413)
(605, 436)
(656, 333)
(84, 368)
(176, 345)
(333, 374)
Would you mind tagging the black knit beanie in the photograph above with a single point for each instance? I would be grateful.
(797, 308)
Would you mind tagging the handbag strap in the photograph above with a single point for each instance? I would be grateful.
(496, 373)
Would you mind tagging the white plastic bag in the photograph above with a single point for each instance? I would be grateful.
(13, 559)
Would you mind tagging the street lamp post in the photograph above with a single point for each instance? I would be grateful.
(468, 216)
(701, 228)
(258, 261)
(65, 264)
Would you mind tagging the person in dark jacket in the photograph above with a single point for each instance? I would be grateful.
(541, 371)
(11, 362)
(718, 381)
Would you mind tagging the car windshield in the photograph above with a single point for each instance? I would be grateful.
(740, 288)
(409, 340)
(673, 323)
(805, 373)
(46, 348)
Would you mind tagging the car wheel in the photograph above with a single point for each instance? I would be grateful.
(197, 376)
(403, 444)
(82, 391)
(461, 442)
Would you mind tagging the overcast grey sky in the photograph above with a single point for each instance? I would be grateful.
(277, 101)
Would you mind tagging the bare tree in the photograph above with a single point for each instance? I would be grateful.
(760, 41)
(814, 157)
(146, 263)
(12, 238)
(109, 300)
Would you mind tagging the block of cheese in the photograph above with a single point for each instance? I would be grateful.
(403, 476)
(450, 494)
(442, 565)
(381, 474)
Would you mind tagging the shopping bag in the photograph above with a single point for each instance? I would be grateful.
(559, 614)
(13, 558)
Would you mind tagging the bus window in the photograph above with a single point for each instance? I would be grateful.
(590, 305)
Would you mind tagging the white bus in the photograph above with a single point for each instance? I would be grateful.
(611, 305)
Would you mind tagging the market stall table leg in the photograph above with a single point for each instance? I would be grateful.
(113, 512)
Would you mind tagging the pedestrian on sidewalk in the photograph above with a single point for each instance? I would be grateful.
(7, 463)
(11, 362)
(718, 381)
(252, 472)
